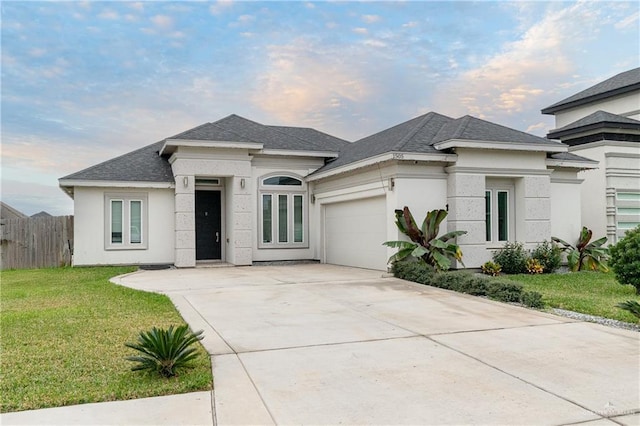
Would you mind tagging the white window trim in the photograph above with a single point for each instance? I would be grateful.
(275, 191)
(494, 190)
(126, 199)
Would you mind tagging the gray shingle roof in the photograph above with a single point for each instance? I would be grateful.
(618, 84)
(238, 129)
(419, 134)
(141, 165)
(475, 129)
(567, 156)
(597, 120)
(146, 165)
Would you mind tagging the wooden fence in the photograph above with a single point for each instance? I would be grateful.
(36, 242)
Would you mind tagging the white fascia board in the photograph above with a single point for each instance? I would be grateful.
(64, 183)
(170, 143)
(387, 156)
(552, 162)
(293, 153)
(509, 146)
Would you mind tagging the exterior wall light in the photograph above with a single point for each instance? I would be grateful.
(242, 183)
(185, 181)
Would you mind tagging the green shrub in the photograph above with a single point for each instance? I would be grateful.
(466, 282)
(461, 281)
(504, 290)
(512, 257)
(548, 255)
(164, 351)
(532, 299)
(625, 258)
(417, 272)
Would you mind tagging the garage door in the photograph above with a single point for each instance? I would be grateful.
(354, 232)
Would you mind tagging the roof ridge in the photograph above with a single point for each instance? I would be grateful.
(466, 119)
(425, 119)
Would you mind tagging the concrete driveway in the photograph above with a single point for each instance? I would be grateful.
(322, 344)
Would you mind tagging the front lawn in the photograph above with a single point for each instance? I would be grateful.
(63, 334)
(593, 293)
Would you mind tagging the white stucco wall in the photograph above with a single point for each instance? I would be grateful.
(627, 105)
(618, 170)
(90, 223)
(566, 190)
(525, 172)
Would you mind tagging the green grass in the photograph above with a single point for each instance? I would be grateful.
(593, 293)
(63, 334)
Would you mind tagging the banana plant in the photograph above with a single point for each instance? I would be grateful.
(425, 243)
(586, 255)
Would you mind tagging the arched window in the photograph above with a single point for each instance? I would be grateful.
(283, 212)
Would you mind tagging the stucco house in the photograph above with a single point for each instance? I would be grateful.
(239, 192)
(602, 123)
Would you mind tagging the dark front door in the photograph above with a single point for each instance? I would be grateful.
(208, 225)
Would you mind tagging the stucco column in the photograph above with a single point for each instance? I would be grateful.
(533, 207)
(466, 202)
(240, 250)
(185, 223)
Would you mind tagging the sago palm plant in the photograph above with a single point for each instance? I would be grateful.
(165, 350)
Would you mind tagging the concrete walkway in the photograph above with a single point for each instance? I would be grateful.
(322, 344)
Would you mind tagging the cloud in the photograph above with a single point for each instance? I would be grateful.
(163, 22)
(220, 7)
(410, 24)
(629, 21)
(371, 19)
(516, 77)
(138, 5)
(108, 14)
(37, 52)
(302, 82)
(360, 30)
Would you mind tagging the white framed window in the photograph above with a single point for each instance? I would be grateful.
(125, 221)
(499, 214)
(283, 212)
(627, 211)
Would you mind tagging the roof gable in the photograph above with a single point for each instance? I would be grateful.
(618, 84)
(423, 134)
(141, 165)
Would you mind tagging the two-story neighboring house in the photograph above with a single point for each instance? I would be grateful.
(602, 123)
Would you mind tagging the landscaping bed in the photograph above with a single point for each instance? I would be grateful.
(63, 336)
(589, 293)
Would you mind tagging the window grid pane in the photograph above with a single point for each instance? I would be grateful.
(267, 219)
(135, 228)
(298, 235)
(487, 208)
(282, 180)
(283, 231)
(503, 216)
(116, 221)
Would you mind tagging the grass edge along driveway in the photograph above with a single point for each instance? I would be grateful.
(63, 334)
(593, 293)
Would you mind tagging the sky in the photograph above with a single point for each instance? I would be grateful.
(83, 82)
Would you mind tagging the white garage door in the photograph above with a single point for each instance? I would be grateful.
(354, 232)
